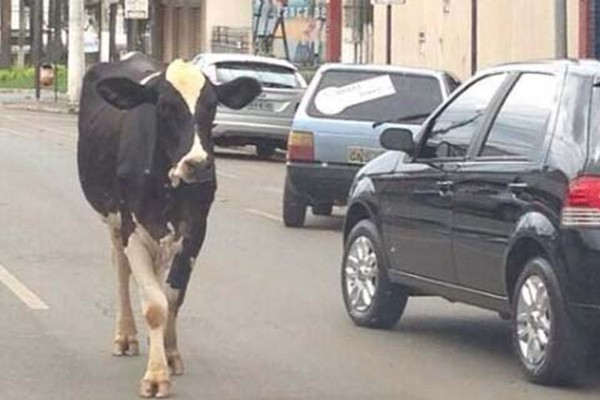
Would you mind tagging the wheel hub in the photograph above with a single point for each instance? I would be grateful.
(533, 320)
(361, 274)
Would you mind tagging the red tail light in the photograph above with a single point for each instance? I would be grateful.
(582, 204)
(300, 146)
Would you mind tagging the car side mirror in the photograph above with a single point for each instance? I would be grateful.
(399, 139)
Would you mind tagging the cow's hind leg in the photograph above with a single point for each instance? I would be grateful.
(156, 380)
(125, 341)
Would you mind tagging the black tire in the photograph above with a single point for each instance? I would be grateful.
(294, 206)
(564, 355)
(388, 300)
(322, 209)
(265, 150)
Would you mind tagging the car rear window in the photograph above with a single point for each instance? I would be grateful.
(375, 96)
(269, 75)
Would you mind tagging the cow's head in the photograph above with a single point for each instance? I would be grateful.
(185, 103)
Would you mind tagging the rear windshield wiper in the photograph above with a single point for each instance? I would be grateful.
(402, 119)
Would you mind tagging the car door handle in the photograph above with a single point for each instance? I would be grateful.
(445, 188)
(444, 185)
(517, 187)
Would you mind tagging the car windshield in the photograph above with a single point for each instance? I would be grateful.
(269, 75)
(375, 96)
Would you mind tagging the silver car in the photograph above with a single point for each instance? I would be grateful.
(264, 123)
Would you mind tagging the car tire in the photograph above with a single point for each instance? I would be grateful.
(265, 150)
(551, 347)
(322, 209)
(294, 206)
(371, 299)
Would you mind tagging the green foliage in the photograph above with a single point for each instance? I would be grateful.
(24, 78)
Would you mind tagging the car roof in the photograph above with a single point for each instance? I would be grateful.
(585, 66)
(213, 58)
(383, 68)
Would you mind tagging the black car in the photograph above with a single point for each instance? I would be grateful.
(496, 203)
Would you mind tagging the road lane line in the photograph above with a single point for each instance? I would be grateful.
(21, 291)
(228, 175)
(264, 215)
(273, 189)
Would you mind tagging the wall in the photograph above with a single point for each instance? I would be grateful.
(232, 13)
(437, 33)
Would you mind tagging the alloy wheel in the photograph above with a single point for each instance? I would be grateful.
(534, 320)
(361, 269)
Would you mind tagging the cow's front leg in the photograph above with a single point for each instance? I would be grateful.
(125, 340)
(155, 309)
(173, 356)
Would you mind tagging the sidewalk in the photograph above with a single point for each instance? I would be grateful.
(24, 99)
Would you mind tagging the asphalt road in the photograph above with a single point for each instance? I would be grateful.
(263, 317)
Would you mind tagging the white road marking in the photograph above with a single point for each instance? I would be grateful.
(21, 291)
(36, 126)
(264, 215)
(228, 175)
(273, 189)
(14, 132)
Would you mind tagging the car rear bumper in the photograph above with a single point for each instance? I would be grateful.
(242, 130)
(322, 182)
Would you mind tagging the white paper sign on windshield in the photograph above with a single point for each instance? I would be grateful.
(334, 100)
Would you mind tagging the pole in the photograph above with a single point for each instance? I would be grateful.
(76, 55)
(104, 31)
(112, 28)
(22, 21)
(388, 34)
(37, 43)
(561, 28)
(474, 43)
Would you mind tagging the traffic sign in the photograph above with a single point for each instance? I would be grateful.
(136, 9)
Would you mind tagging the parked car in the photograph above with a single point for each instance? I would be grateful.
(336, 128)
(264, 123)
(497, 205)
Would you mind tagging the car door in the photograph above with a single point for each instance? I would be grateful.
(416, 199)
(494, 189)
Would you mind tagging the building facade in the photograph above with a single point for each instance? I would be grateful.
(185, 27)
(440, 33)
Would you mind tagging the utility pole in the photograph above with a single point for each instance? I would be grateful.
(76, 56)
(22, 21)
(561, 28)
(36, 42)
(5, 32)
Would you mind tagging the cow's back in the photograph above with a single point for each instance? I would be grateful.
(100, 129)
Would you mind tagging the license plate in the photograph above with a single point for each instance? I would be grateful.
(362, 155)
(261, 105)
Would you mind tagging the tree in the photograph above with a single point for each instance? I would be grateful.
(5, 33)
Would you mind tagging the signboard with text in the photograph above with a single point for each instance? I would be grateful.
(136, 9)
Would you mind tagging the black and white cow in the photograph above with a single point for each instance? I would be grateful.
(146, 164)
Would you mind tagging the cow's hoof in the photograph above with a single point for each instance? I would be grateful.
(176, 364)
(160, 390)
(126, 347)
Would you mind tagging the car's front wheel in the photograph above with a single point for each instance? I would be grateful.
(550, 345)
(371, 299)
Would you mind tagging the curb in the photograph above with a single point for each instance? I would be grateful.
(42, 108)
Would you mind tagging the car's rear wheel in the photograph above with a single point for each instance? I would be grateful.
(294, 206)
(371, 299)
(265, 150)
(322, 209)
(550, 345)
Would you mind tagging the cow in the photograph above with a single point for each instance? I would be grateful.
(146, 164)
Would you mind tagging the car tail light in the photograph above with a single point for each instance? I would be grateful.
(300, 146)
(582, 204)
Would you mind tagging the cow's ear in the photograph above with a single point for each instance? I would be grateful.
(239, 92)
(124, 94)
